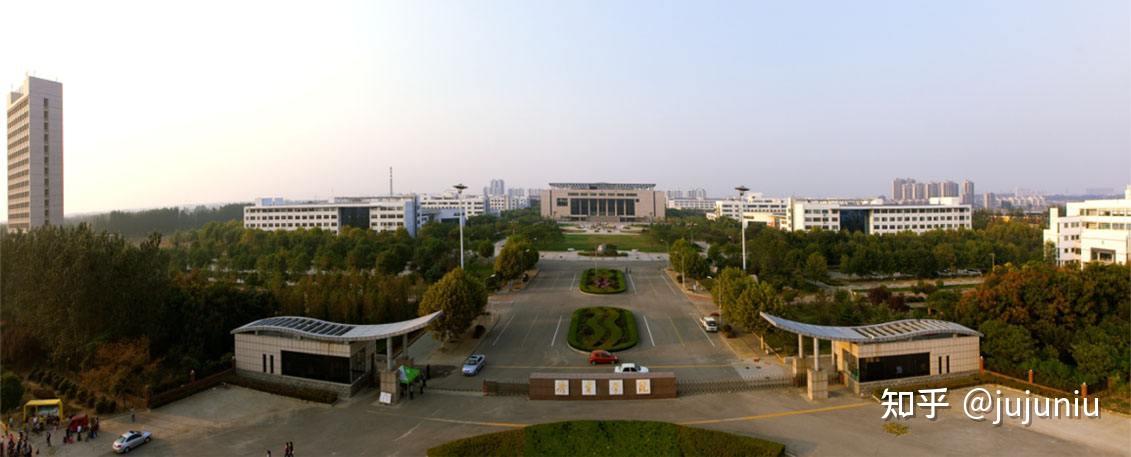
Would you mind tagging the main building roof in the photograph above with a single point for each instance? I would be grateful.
(876, 333)
(316, 329)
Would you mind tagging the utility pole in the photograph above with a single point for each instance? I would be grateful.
(742, 221)
(462, 211)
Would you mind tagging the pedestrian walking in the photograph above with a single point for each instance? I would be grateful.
(48, 439)
(133, 418)
(268, 453)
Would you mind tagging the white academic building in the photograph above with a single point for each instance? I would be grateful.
(697, 204)
(1092, 231)
(877, 216)
(374, 213)
(35, 155)
(448, 205)
(755, 208)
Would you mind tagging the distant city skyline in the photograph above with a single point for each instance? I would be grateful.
(829, 99)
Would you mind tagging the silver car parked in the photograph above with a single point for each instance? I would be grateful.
(473, 364)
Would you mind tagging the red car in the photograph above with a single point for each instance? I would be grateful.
(600, 356)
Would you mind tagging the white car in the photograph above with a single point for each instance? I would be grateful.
(709, 323)
(630, 368)
(130, 440)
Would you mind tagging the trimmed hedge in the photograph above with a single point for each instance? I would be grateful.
(616, 278)
(604, 438)
(611, 329)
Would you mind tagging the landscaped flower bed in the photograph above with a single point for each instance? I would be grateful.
(603, 281)
(611, 329)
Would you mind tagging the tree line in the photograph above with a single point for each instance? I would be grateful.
(166, 221)
(167, 305)
(795, 257)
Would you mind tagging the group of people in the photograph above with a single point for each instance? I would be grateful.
(288, 450)
(18, 446)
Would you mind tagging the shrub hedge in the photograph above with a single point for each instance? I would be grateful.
(604, 438)
(615, 277)
(611, 329)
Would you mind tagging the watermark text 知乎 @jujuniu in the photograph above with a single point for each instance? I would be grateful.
(980, 404)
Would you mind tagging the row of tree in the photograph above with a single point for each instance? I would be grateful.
(166, 221)
(793, 257)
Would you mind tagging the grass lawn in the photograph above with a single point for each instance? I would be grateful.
(605, 438)
(611, 329)
(583, 242)
(602, 281)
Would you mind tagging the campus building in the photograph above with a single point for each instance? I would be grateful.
(876, 216)
(35, 155)
(603, 202)
(307, 352)
(696, 204)
(374, 213)
(1092, 231)
(753, 206)
(449, 205)
(872, 356)
(496, 204)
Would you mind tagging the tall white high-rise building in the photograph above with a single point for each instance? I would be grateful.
(35, 155)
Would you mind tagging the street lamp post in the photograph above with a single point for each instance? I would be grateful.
(462, 211)
(742, 221)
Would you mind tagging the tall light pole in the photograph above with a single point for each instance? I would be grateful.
(742, 221)
(462, 211)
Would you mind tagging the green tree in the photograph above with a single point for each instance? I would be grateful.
(728, 287)
(816, 267)
(1094, 362)
(755, 299)
(1007, 346)
(460, 297)
(11, 391)
(515, 258)
(485, 248)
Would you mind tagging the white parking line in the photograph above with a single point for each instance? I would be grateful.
(649, 327)
(508, 324)
(700, 327)
(555, 338)
(527, 335)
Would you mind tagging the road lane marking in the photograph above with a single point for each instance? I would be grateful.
(409, 432)
(777, 414)
(649, 327)
(677, 332)
(532, 322)
(508, 324)
(450, 421)
(667, 282)
(700, 327)
(573, 281)
(633, 284)
(555, 338)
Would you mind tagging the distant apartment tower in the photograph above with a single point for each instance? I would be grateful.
(498, 187)
(35, 155)
(967, 195)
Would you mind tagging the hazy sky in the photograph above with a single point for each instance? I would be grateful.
(231, 100)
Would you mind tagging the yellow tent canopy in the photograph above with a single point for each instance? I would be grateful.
(52, 407)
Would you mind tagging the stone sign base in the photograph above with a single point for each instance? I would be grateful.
(818, 385)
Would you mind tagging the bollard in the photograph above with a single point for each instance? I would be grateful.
(981, 365)
(1030, 376)
(1084, 389)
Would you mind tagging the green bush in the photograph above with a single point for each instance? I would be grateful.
(611, 329)
(501, 444)
(617, 283)
(604, 438)
(11, 391)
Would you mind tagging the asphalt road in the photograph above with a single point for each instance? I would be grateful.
(530, 334)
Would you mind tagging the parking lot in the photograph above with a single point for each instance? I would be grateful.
(530, 332)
